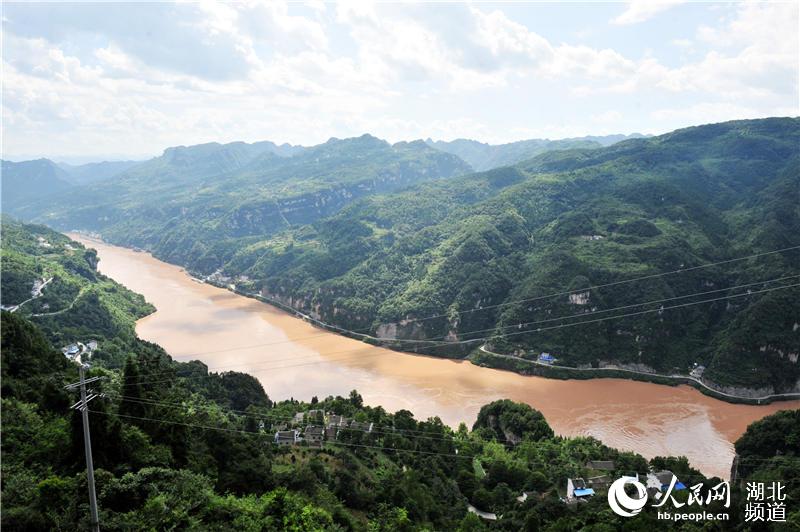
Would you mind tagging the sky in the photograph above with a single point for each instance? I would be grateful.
(125, 80)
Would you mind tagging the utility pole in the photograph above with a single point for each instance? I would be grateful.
(83, 406)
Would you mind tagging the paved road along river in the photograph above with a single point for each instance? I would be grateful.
(293, 359)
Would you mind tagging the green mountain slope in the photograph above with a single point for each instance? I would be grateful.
(26, 181)
(328, 232)
(177, 447)
(182, 204)
(76, 302)
(565, 221)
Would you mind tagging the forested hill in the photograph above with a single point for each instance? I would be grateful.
(445, 259)
(178, 448)
(27, 181)
(54, 281)
(202, 195)
(464, 249)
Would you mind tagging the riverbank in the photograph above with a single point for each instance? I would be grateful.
(478, 355)
(297, 358)
(541, 369)
(483, 357)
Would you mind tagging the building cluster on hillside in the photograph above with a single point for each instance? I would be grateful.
(580, 490)
(579, 298)
(314, 428)
(218, 278)
(697, 371)
(78, 349)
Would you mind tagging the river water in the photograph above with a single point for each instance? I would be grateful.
(196, 321)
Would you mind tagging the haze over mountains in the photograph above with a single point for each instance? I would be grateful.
(26, 180)
(368, 235)
(482, 156)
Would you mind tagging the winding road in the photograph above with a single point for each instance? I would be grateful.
(791, 395)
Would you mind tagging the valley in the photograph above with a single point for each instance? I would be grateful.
(292, 359)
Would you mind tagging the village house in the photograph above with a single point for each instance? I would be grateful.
(313, 416)
(600, 465)
(71, 350)
(286, 437)
(298, 418)
(546, 358)
(525, 496)
(335, 420)
(697, 371)
(577, 489)
(362, 426)
(662, 479)
(331, 432)
(601, 482)
(313, 436)
(579, 298)
(92, 345)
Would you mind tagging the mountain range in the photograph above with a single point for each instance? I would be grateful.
(482, 156)
(408, 242)
(26, 181)
(176, 446)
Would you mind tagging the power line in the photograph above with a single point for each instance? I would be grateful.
(548, 320)
(623, 307)
(486, 337)
(615, 283)
(650, 311)
(344, 444)
(646, 311)
(273, 417)
(461, 342)
(83, 406)
(358, 331)
(239, 431)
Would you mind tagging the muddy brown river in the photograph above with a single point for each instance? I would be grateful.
(294, 359)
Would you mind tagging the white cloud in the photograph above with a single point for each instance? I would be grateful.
(710, 112)
(97, 77)
(638, 11)
(607, 117)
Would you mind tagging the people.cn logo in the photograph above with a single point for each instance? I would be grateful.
(623, 504)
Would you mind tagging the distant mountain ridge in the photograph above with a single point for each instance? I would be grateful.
(368, 235)
(239, 190)
(482, 156)
(41, 178)
(29, 180)
(84, 174)
(562, 221)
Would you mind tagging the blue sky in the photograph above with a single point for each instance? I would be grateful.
(92, 81)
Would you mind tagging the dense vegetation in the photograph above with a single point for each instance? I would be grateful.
(78, 302)
(177, 447)
(446, 258)
(563, 222)
(30, 180)
(193, 202)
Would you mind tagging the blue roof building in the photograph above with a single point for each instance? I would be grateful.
(546, 357)
(576, 489)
